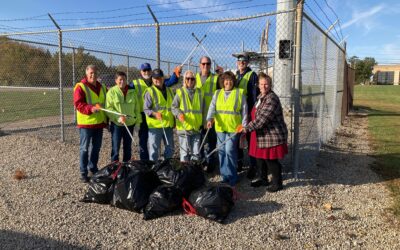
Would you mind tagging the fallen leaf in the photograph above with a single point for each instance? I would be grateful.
(19, 174)
(328, 206)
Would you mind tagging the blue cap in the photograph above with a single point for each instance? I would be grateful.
(145, 66)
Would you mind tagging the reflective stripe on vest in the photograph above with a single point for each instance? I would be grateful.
(92, 98)
(244, 81)
(141, 88)
(192, 109)
(228, 113)
(163, 106)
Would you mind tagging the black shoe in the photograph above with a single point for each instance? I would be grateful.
(84, 179)
(239, 167)
(258, 183)
(274, 188)
(251, 173)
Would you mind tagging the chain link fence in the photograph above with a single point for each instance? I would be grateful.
(36, 87)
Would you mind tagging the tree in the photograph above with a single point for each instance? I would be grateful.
(363, 68)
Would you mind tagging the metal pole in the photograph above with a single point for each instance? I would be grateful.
(127, 68)
(297, 85)
(73, 76)
(157, 37)
(60, 77)
(322, 98)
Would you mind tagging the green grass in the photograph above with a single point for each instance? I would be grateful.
(383, 105)
(23, 104)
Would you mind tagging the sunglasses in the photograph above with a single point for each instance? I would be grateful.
(146, 70)
(190, 78)
(206, 63)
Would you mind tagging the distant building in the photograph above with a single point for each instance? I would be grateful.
(386, 74)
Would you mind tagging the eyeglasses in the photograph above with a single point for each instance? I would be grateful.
(207, 63)
(146, 70)
(190, 78)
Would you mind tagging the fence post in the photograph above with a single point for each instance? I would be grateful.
(73, 77)
(157, 37)
(60, 77)
(297, 85)
(127, 68)
(322, 98)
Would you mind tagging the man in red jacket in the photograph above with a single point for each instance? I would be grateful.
(90, 120)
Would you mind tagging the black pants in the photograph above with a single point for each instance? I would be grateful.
(241, 155)
(274, 167)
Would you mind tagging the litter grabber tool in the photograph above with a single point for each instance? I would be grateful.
(238, 130)
(204, 139)
(111, 111)
(194, 48)
(205, 50)
(165, 134)
(186, 135)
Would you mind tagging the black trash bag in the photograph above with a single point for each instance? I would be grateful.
(185, 176)
(133, 187)
(101, 186)
(140, 164)
(163, 200)
(213, 202)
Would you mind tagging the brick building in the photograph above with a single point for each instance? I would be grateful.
(386, 74)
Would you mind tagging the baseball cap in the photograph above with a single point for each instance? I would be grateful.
(157, 73)
(145, 66)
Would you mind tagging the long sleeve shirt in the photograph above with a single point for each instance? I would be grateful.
(148, 101)
(82, 106)
(211, 109)
(252, 90)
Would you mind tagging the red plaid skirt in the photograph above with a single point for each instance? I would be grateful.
(272, 153)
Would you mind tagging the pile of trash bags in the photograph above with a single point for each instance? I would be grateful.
(156, 189)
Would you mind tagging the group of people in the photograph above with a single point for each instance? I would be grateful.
(219, 109)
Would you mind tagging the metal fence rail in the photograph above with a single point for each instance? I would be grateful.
(39, 69)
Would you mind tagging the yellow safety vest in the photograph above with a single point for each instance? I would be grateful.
(92, 98)
(228, 114)
(244, 81)
(193, 110)
(140, 88)
(208, 87)
(163, 106)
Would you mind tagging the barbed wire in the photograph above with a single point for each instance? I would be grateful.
(329, 20)
(337, 17)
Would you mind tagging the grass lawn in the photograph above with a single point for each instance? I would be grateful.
(22, 104)
(383, 105)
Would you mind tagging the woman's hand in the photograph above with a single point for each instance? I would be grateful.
(210, 123)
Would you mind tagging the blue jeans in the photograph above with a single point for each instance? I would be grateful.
(154, 143)
(90, 140)
(119, 134)
(209, 146)
(228, 157)
(194, 145)
(143, 138)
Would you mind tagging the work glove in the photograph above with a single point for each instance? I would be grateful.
(122, 119)
(181, 118)
(94, 109)
(177, 71)
(157, 115)
(239, 128)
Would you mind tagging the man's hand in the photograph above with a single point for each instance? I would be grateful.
(122, 119)
(157, 115)
(181, 118)
(178, 70)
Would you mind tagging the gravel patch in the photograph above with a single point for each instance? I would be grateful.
(338, 203)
